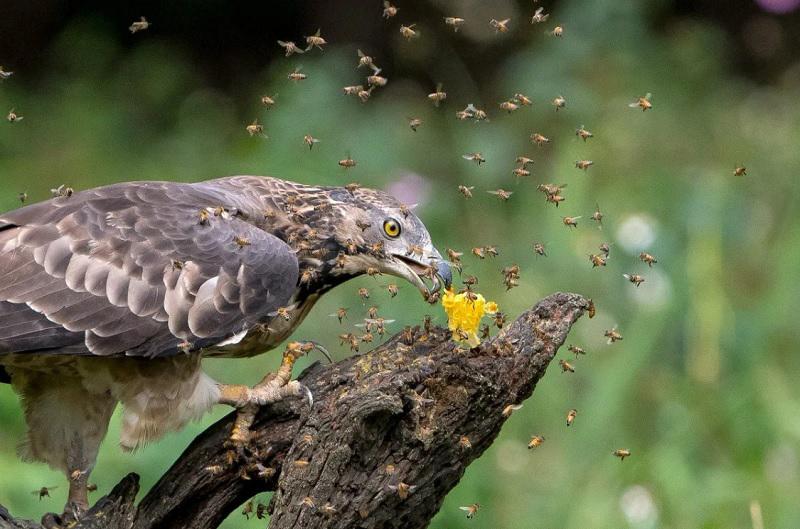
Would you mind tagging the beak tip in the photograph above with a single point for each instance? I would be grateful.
(445, 273)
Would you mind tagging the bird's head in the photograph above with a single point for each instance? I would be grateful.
(364, 231)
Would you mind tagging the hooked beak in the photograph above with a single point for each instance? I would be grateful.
(415, 271)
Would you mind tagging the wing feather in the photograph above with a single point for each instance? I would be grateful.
(98, 268)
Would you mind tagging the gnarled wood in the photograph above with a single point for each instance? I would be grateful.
(392, 419)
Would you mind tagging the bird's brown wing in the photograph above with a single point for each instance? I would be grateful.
(130, 269)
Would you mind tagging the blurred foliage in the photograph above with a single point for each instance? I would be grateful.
(701, 388)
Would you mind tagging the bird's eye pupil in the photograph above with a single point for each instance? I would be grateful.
(391, 227)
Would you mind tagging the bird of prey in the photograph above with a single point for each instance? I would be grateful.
(116, 294)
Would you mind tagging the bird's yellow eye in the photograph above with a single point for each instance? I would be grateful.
(391, 228)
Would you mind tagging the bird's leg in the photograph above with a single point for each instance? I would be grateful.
(274, 387)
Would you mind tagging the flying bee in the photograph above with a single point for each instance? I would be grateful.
(261, 511)
(392, 289)
(555, 199)
(511, 408)
(583, 164)
(328, 509)
(315, 41)
(502, 194)
(535, 442)
(647, 258)
(576, 350)
(377, 80)
(290, 47)
(255, 129)
(597, 216)
(520, 172)
(471, 510)
(539, 16)
(539, 139)
(13, 117)
(477, 113)
(464, 443)
(485, 332)
(372, 272)
(282, 312)
(4, 74)
(203, 217)
(363, 293)
(522, 99)
(367, 337)
(372, 312)
(455, 258)
(466, 191)
(362, 225)
(310, 140)
(566, 366)
(475, 157)
(539, 249)
(499, 319)
(643, 102)
(22, 197)
(408, 31)
(43, 492)
(139, 25)
(597, 260)
(402, 489)
(470, 281)
(636, 279)
(427, 323)
(524, 161)
(463, 115)
(479, 252)
(268, 101)
(376, 249)
(571, 414)
(509, 106)
(559, 102)
(591, 309)
(340, 314)
(308, 501)
(740, 170)
(241, 242)
(557, 31)
(571, 222)
(438, 96)
(491, 251)
(364, 95)
(365, 60)
(405, 209)
(613, 335)
(605, 248)
(389, 10)
(415, 249)
(500, 26)
(347, 163)
(308, 276)
(352, 90)
(584, 134)
(456, 22)
(248, 509)
(621, 453)
(295, 75)
(408, 335)
(414, 123)
(91, 487)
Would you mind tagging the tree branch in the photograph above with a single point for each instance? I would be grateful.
(390, 433)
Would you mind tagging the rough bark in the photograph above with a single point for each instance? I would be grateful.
(390, 433)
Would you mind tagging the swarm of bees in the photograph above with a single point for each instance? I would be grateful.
(375, 325)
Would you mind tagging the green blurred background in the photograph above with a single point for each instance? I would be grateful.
(703, 388)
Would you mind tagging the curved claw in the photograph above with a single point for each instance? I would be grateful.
(307, 394)
(322, 350)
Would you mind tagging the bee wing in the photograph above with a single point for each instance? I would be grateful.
(467, 509)
(634, 104)
(648, 96)
(468, 157)
(282, 43)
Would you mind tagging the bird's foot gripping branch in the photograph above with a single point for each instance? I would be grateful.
(390, 433)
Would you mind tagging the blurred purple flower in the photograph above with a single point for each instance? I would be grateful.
(778, 6)
(410, 188)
